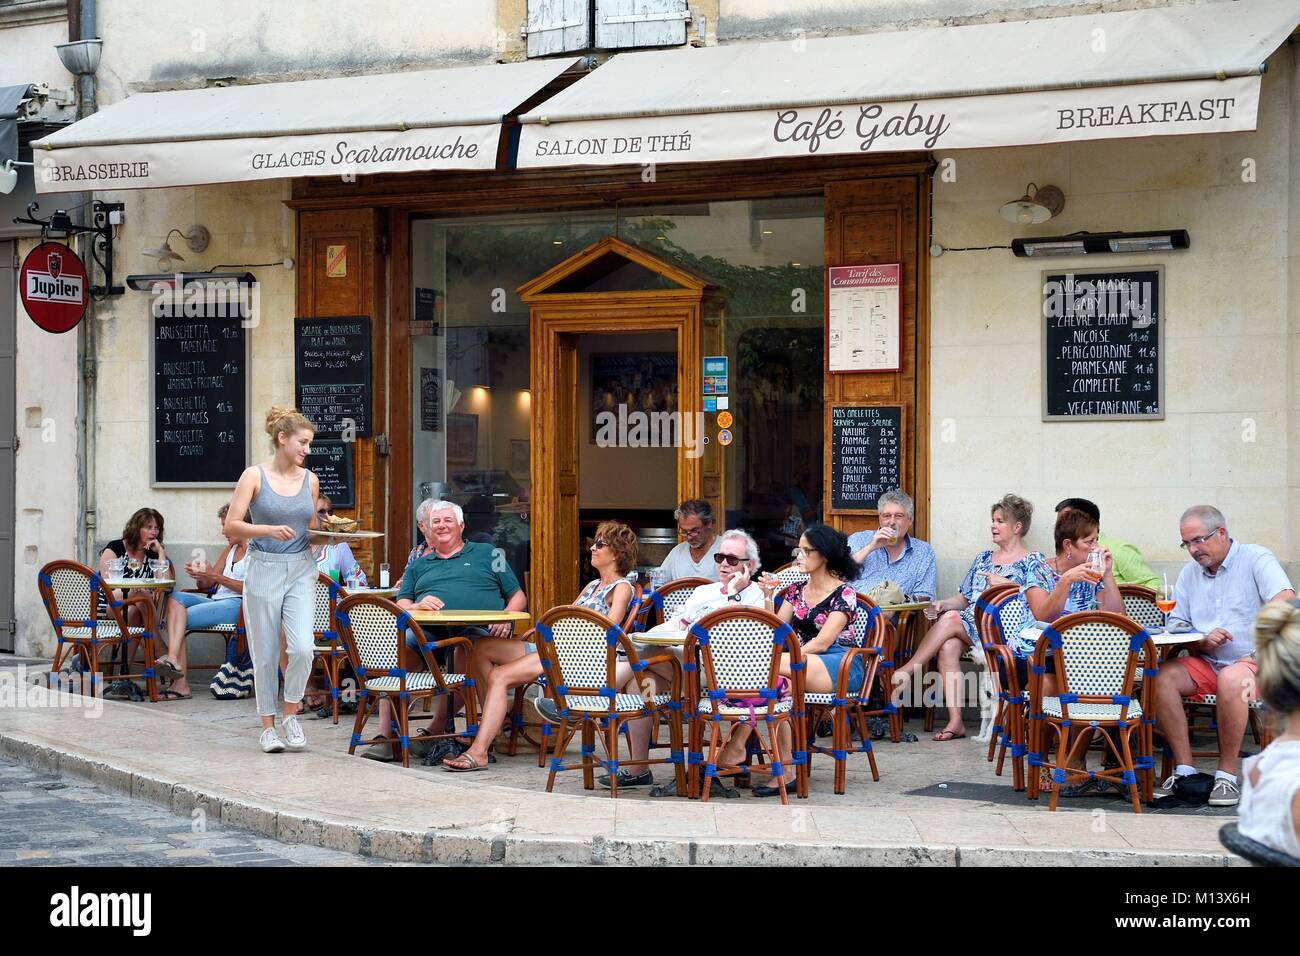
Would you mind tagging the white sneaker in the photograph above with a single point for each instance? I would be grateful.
(271, 742)
(294, 738)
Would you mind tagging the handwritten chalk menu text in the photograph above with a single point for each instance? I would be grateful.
(866, 454)
(200, 401)
(332, 462)
(1104, 344)
(332, 371)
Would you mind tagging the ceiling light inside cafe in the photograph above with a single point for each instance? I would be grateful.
(1035, 206)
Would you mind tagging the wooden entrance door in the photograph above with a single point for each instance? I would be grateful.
(563, 307)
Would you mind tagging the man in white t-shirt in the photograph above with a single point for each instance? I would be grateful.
(693, 557)
(1218, 593)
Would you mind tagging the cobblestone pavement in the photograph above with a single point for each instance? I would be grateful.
(49, 821)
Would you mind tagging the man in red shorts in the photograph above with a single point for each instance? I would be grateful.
(1219, 592)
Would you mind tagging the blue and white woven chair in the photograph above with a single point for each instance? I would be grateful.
(1095, 656)
(736, 654)
(1000, 612)
(1140, 605)
(874, 639)
(328, 649)
(787, 575)
(75, 598)
(666, 603)
(373, 630)
(579, 651)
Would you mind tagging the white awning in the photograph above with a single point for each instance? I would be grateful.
(1154, 72)
(388, 123)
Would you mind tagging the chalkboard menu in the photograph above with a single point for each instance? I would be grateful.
(200, 400)
(866, 454)
(332, 373)
(1104, 344)
(332, 462)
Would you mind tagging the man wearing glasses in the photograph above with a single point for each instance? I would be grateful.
(1218, 593)
(693, 557)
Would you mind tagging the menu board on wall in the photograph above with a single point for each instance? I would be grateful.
(1104, 344)
(866, 454)
(200, 400)
(862, 318)
(332, 373)
(332, 462)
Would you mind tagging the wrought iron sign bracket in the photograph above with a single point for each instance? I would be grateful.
(61, 226)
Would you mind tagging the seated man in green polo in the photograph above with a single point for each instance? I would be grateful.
(1127, 563)
(458, 575)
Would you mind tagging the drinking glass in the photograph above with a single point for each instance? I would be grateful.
(117, 568)
(133, 566)
(383, 575)
(1095, 563)
(657, 579)
(158, 569)
(1165, 603)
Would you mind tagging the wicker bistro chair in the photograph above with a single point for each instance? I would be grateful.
(787, 574)
(735, 654)
(1096, 662)
(579, 652)
(666, 603)
(847, 710)
(1259, 854)
(1140, 605)
(74, 598)
(328, 650)
(373, 631)
(999, 612)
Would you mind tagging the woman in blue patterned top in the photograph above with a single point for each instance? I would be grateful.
(953, 631)
(1067, 583)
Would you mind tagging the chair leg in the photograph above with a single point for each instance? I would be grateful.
(611, 754)
(714, 746)
(864, 732)
(150, 681)
(999, 720)
(557, 756)
(363, 712)
(840, 746)
(588, 752)
(516, 719)
(770, 752)
(1130, 767)
(403, 730)
(546, 732)
(675, 742)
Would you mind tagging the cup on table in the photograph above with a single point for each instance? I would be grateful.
(932, 611)
(158, 569)
(383, 575)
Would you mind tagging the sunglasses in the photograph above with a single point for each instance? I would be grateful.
(324, 512)
(599, 543)
(720, 558)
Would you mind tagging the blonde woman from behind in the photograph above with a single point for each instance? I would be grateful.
(1270, 796)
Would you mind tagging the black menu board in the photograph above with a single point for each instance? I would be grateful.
(866, 454)
(1103, 339)
(332, 373)
(332, 462)
(200, 400)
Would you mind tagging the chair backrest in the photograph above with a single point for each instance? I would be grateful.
(579, 652)
(673, 596)
(327, 595)
(739, 651)
(1096, 656)
(373, 629)
(633, 613)
(1140, 604)
(1260, 854)
(74, 596)
(871, 629)
(790, 574)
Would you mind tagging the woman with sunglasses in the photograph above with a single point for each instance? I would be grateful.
(613, 555)
(337, 556)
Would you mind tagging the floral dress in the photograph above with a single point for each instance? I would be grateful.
(976, 583)
(807, 622)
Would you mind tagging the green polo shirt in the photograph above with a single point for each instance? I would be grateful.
(467, 581)
(1129, 567)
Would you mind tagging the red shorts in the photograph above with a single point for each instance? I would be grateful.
(1204, 674)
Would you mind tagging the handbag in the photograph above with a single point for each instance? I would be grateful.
(782, 692)
(887, 592)
(233, 679)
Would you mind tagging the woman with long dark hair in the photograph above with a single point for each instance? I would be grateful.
(821, 611)
(273, 509)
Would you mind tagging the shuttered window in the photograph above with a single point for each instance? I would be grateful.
(558, 26)
(639, 23)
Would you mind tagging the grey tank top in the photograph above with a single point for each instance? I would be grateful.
(269, 507)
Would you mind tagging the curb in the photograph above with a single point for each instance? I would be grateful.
(490, 846)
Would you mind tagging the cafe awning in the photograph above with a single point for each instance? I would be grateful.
(1153, 72)
(387, 123)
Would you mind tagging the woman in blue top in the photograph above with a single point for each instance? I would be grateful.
(953, 631)
(273, 508)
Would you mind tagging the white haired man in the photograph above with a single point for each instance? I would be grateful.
(1218, 593)
(891, 553)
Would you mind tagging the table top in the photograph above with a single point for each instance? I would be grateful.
(449, 616)
(906, 606)
(1165, 638)
(660, 638)
(138, 583)
(381, 592)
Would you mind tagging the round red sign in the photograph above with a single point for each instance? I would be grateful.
(53, 286)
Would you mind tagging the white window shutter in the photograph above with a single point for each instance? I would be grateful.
(558, 26)
(639, 23)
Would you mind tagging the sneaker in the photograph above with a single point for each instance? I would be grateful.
(1225, 793)
(1166, 789)
(271, 742)
(550, 713)
(381, 752)
(626, 780)
(294, 738)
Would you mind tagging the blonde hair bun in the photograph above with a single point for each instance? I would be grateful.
(1277, 649)
(288, 420)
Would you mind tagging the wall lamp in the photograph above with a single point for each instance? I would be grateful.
(1094, 243)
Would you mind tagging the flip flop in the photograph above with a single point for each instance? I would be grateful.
(167, 694)
(166, 669)
(944, 736)
(466, 757)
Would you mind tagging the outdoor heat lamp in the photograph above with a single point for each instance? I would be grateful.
(1095, 243)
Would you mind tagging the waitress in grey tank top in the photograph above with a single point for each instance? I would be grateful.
(273, 509)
